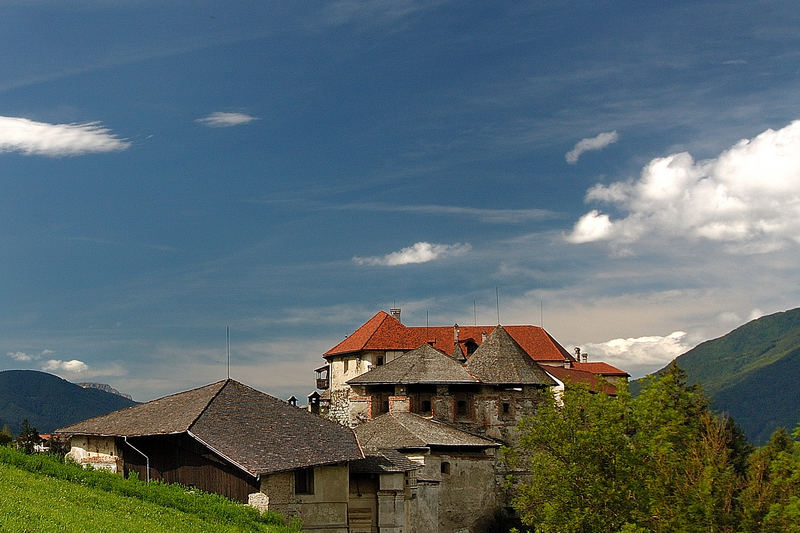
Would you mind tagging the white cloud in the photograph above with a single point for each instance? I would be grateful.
(39, 138)
(20, 356)
(591, 143)
(220, 119)
(591, 227)
(747, 198)
(421, 252)
(68, 367)
(24, 356)
(492, 216)
(651, 352)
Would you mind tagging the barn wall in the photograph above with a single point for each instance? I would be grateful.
(181, 459)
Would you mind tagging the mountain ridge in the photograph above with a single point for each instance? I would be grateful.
(49, 402)
(751, 373)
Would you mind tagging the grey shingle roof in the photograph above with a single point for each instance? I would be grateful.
(382, 461)
(408, 430)
(257, 432)
(500, 360)
(424, 364)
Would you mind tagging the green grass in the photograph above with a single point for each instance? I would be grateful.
(38, 493)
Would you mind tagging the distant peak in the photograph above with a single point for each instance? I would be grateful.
(103, 387)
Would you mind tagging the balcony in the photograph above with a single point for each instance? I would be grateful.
(323, 381)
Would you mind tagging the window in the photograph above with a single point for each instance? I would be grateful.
(461, 408)
(304, 481)
(379, 361)
(445, 467)
(506, 408)
(346, 363)
(426, 406)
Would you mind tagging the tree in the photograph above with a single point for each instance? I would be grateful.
(578, 462)
(771, 500)
(659, 462)
(28, 437)
(5, 435)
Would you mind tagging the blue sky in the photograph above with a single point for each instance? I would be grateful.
(626, 174)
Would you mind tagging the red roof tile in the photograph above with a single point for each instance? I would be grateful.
(598, 367)
(575, 376)
(384, 332)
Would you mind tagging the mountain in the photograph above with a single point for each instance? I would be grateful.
(49, 402)
(103, 387)
(752, 373)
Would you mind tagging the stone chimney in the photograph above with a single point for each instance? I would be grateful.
(395, 312)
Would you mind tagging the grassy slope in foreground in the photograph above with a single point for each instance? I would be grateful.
(39, 493)
(33, 502)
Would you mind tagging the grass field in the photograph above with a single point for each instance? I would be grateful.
(91, 501)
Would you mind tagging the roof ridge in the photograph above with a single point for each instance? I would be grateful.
(225, 383)
(383, 319)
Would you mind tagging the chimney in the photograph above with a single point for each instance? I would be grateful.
(483, 336)
(455, 333)
(585, 357)
(395, 312)
(578, 354)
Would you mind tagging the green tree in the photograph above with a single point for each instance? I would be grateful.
(659, 462)
(578, 462)
(6, 436)
(28, 437)
(771, 500)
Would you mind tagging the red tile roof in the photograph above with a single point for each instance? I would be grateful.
(598, 367)
(575, 376)
(384, 332)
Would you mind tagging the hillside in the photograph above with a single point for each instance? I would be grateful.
(752, 373)
(49, 402)
(43, 494)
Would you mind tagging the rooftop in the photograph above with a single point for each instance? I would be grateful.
(255, 431)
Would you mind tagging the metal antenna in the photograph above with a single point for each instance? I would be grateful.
(541, 313)
(228, 343)
(497, 297)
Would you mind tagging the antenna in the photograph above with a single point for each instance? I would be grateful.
(497, 297)
(228, 343)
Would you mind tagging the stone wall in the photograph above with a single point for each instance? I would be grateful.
(324, 511)
(97, 452)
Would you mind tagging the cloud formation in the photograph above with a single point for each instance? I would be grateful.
(747, 197)
(421, 252)
(591, 143)
(220, 119)
(488, 215)
(646, 353)
(69, 367)
(25, 136)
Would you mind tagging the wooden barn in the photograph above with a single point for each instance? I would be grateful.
(225, 438)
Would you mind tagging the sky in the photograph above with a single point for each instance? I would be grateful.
(625, 174)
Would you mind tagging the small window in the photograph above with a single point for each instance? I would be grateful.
(304, 481)
(379, 361)
(461, 408)
(385, 406)
(445, 467)
(506, 408)
(346, 365)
